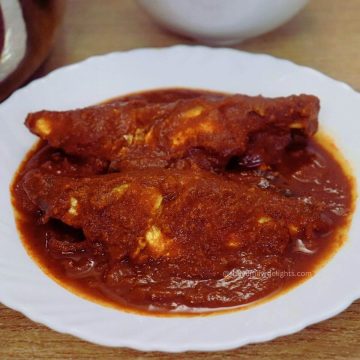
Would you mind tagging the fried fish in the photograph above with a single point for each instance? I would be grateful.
(203, 131)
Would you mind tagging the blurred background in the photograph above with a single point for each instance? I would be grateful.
(325, 34)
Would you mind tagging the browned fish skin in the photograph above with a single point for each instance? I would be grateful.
(174, 215)
(165, 135)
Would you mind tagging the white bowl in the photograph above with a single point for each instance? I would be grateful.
(24, 287)
(222, 21)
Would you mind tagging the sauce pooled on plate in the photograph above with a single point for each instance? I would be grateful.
(182, 200)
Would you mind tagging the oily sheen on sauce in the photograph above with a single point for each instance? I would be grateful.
(313, 172)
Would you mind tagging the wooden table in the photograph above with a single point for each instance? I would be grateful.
(325, 36)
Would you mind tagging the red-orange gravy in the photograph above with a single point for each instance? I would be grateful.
(316, 173)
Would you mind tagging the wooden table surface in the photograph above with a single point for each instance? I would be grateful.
(325, 36)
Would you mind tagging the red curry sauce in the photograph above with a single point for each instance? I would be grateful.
(315, 172)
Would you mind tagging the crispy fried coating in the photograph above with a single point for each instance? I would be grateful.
(99, 131)
(204, 130)
(176, 216)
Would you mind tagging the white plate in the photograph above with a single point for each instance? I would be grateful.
(24, 287)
